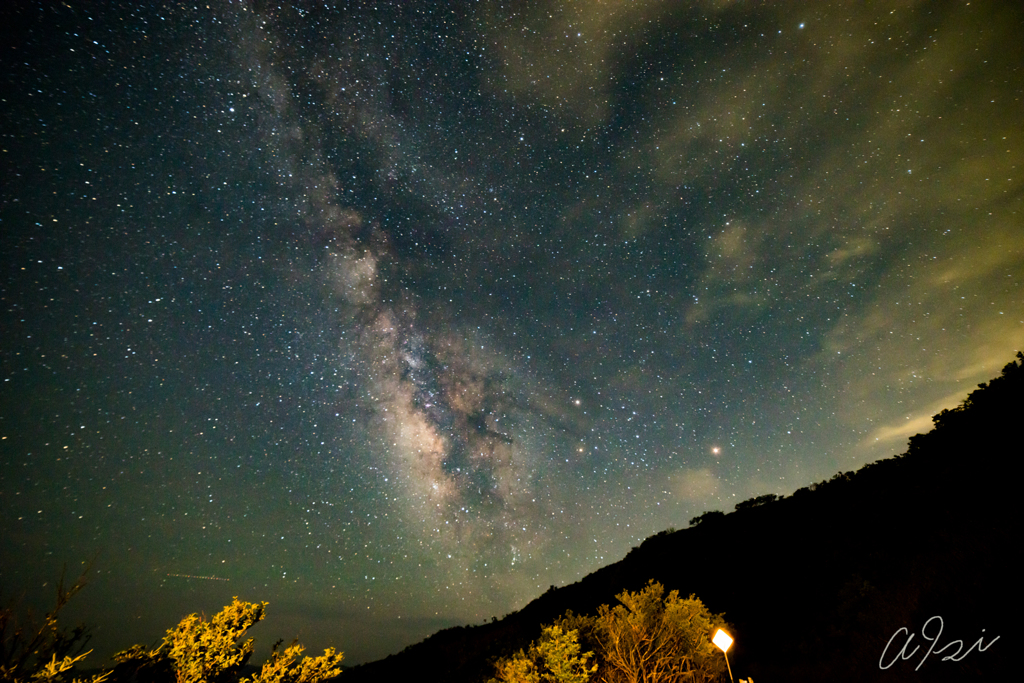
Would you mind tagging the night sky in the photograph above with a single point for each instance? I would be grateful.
(396, 315)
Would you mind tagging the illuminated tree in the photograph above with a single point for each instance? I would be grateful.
(201, 651)
(206, 650)
(281, 667)
(519, 668)
(553, 658)
(646, 639)
(54, 670)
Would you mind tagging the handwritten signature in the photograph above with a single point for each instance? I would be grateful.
(955, 657)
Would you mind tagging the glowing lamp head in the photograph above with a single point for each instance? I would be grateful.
(722, 640)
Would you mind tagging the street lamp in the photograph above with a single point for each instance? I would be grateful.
(723, 641)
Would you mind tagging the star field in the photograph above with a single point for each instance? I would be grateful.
(394, 315)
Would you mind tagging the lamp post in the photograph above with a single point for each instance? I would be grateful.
(723, 641)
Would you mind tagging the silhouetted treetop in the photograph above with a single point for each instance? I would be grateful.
(709, 516)
(991, 403)
(757, 502)
(1000, 391)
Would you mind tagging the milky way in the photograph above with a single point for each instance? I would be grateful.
(444, 410)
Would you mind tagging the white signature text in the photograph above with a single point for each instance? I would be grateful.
(927, 634)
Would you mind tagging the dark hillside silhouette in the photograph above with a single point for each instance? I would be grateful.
(817, 583)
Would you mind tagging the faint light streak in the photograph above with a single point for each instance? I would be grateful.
(204, 578)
